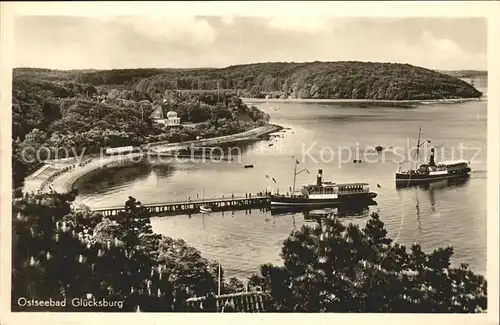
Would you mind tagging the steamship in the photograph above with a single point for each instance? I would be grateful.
(324, 193)
(433, 170)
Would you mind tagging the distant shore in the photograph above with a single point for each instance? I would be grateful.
(64, 182)
(360, 101)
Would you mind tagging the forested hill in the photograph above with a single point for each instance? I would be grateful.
(322, 80)
(55, 113)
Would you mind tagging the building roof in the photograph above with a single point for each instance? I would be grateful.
(331, 184)
(353, 184)
(171, 114)
(157, 113)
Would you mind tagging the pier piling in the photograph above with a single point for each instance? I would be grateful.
(193, 206)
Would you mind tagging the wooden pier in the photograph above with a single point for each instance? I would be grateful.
(193, 206)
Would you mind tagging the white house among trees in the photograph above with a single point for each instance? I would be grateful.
(173, 119)
(158, 118)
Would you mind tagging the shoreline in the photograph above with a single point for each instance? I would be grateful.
(361, 101)
(64, 182)
(253, 134)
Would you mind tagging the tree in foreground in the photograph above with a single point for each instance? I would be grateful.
(337, 268)
(63, 254)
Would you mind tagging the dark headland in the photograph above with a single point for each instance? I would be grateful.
(311, 80)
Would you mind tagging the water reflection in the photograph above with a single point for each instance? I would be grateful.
(435, 185)
(430, 189)
(433, 204)
(103, 179)
(162, 170)
(312, 213)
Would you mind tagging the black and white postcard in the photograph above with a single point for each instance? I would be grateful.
(254, 157)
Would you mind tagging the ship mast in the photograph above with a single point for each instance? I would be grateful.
(418, 146)
(295, 173)
(294, 176)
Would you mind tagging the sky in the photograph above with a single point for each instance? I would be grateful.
(64, 42)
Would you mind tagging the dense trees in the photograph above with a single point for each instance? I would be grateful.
(67, 110)
(60, 252)
(67, 118)
(336, 268)
(342, 80)
(35, 102)
(351, 79)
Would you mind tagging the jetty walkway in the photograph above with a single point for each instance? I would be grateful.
(193, 206)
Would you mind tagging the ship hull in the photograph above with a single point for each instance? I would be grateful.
(295, 201)
(411, 179)
(286, 209)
